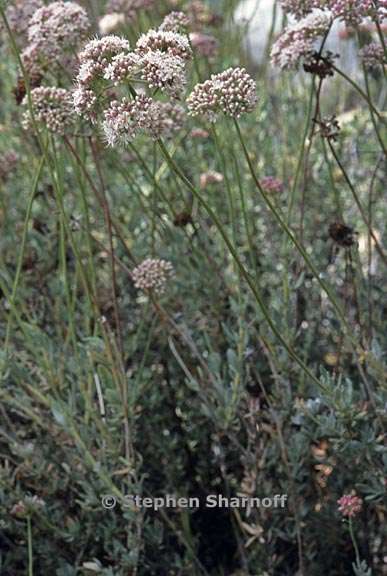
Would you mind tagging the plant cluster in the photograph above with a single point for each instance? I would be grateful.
(192, 268)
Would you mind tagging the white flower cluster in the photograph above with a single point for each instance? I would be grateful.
(166, 72)
(108, 67)
(167, 42)
(52, 107)
(152, 274)
(95, 60)
(125, 119)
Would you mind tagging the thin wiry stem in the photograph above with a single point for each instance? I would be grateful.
(251, 283)
(358, 203)
(22, 250)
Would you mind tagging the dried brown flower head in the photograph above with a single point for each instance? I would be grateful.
(341, 234)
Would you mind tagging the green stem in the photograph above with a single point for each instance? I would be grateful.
(30, 554)
(21, 252)
(255, 290)
(359, 90)
(358, 203)
(354, 542)
(285, 227)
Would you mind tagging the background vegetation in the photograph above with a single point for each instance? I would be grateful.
(108, 390)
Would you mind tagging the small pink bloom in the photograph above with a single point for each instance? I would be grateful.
(205, 44)
(210, 177)
(271, 184)
(350, 505)
(199, 133)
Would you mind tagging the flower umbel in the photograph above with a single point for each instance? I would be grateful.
(152, 274)
(52, 107)
(232, 92)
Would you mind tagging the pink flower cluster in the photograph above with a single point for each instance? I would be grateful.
(350, 505)
(19, 13)
(175, 22)
(129, 8)
(167, 42)
(152, 274)
(353, 12)
(204, 44)
(372, 55)
(95, 60)
(124, 119)
(166, 72)
(296, 43)
(232, 92)
(272, 184)
(300, 8)
(54, 31)
(122, 67)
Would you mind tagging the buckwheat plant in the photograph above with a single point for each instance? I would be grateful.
(251, 367)
(350, 507)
